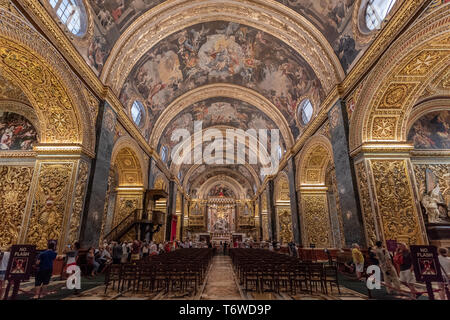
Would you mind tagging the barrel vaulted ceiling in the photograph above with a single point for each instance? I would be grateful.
(244, 64)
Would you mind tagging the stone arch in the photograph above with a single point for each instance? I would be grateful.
(31, 63)
(128, 158)
(227, 91)
(399, 80)
(268, 16)
(313, 161)
(281, 188)
(229, 182)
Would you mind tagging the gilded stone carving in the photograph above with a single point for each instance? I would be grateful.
(14, 186)
(105, 208)
(285, 225)
(316, 222)
(395, 201)
(78, 203)
(126, 205)
(366, 206)
(50, 204)
(384, 128)
(265, 227)
(399, 79)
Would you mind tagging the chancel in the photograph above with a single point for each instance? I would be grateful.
(176, 149)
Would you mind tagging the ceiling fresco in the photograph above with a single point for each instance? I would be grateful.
(431, 131)
(333, 18)
(218, 52)
(217, 112)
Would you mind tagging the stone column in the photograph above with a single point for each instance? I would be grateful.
(345, 176)
(271, 210)
(171, 208)
(389, 200)
(98, 181)
(294, 202)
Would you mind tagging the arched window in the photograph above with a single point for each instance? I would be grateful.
(305, 111)
(280, 153)
(164, 153)
(72, 14)
(376, 11)
(137, 112)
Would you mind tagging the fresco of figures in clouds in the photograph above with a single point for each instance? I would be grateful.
(431, 131)
(16, 132)
(333, 18)
(217, 112)
(218, 52)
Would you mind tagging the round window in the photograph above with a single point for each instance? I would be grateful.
(305, 111)
(164, 153)
(376, 12)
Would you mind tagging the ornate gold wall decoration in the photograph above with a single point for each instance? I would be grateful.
(78, 202)
(384, 128)
(316, 224)
(14, 186)
(126, 204)
(395, 201)
(366, 206)
(109, 190)
(50, 203)
(48, 82)
(285, 225)
(399, 79)
(265, 227)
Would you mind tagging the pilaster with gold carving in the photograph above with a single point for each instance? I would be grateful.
(316, 226)
(388, 195)
(57, 196)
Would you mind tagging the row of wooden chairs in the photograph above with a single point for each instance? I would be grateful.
(174, 272)
(269, 271)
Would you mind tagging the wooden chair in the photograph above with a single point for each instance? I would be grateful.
(316, 276)
(331, 277)
(112, 275)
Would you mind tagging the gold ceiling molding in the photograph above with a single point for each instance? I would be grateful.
(399, 79)
(238, 190)
(266, 15)
(30, 62)
(312, 162)
(221, 90)
(130, 162)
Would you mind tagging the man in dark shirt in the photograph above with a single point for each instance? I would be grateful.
(45, 269)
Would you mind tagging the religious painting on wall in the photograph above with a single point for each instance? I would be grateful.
(221, 191)
(16, 132)
(431, 131)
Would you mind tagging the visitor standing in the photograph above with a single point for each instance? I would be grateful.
(444, 261)
(45, 270)
(358, 260)
(387, 268)
(3, 266)
(404, 259)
